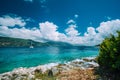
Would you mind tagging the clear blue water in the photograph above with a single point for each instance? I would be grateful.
(11, 58)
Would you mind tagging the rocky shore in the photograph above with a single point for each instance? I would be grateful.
(79, 69)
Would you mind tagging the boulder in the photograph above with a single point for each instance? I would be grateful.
(55, 70)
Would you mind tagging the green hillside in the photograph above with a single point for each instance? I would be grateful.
(16, 42)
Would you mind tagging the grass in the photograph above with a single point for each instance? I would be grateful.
(45, 76)
(80, 74)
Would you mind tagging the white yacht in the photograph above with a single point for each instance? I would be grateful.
(31, 46)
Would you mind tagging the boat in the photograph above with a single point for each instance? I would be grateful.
(31, 46)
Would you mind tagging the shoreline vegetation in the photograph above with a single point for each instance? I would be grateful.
(79, 69)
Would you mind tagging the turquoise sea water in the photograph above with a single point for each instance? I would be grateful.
(11, 58)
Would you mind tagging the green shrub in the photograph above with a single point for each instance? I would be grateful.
(109, 55)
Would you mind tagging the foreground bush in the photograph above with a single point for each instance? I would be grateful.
(109, 55)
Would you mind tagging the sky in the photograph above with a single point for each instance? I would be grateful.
(81, 22)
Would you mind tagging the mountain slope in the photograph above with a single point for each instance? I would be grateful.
(16, 42)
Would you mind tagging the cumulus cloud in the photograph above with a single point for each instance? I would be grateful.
(109, 27)
(7, 21)
(49, 31)
(90, 31)
(94, 36)
(10, 21)
(20, 33)
(71, 31)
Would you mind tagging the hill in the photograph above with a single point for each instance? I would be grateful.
(16, 42)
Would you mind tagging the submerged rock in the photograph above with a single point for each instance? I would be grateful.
(89, 59)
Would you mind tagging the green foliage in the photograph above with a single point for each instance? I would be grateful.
(109, 55)
(45, 76)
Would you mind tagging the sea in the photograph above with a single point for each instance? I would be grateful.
(12, 58)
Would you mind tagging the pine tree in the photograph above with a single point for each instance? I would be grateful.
(109, 55)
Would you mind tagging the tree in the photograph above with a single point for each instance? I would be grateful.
(109, 55)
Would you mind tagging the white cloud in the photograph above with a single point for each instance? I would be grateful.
(7, 21)
(108, 17)
(71, 31)
(76, 16)
(10, 21)
(109, 27)
(20, 33)
(71, 21)
(90, 31)
(94, 36)
(49, 31)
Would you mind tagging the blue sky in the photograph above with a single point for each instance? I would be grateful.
(82, 14)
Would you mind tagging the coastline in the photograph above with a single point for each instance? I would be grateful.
(51, 69)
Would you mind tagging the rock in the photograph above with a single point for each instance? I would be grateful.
(6, 77)
(14, 75)
(50, 73)
(90, 66)
(18, 78)
(61, 65)
(78, 62)
(38, 71)
(55, 71)
(31, 77)
(67, 67)
(50, 69)
(89, 59)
